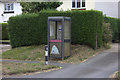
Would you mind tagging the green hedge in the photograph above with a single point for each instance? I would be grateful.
(24, 30)
(114, 25)
(32, 29)
(4, 31)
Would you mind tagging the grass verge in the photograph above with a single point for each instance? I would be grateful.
(22, 68)
(79, 53)
(25, 53)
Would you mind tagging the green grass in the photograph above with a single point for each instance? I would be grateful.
(25, 53)
(79, 53)
(20, 68)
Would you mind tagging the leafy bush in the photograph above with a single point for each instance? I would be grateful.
(32, 29)
(35, 7)
(107, 34)
(114, 25)
(4, 31)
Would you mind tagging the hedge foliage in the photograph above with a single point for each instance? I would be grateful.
(115, 26)
(85, 25)
(4, 31)
(32, 29)
(24, 30)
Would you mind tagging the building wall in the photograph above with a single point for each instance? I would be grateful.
(90, 4)
(67, 5)
(5, 17)
(109, 8)
(1, 11)
(119, 9)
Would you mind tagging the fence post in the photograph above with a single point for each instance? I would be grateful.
(46, 54)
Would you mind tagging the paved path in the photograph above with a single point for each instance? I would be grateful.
(101, 66)
(4, 47)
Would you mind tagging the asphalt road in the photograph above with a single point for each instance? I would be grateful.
(102, 65)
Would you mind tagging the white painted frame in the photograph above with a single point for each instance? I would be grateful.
(80, 6)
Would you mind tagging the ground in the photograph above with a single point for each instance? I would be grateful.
(79, 53)
(102, 65)
(25, 53)
(12, 68)
(4, 47)
(23, 68)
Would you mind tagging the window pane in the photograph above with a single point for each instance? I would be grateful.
(83, 3)
(73, 3)
(55, 30)
(78, 3)
(8, 6)
(67, 30)
(11, 6)
(59, 30)
(52, 30)
(5, 6)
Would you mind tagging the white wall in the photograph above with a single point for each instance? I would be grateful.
(1, 11)
(67, 5)
(119, 9)
(18, 9)
(5, 17)
(109, 8)
(90, 4)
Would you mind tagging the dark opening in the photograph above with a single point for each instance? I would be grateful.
(78, 3)
(73, 3)
(83, 3)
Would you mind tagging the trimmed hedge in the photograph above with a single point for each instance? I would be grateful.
(24, 30)
(114, 25)
(4, 31)
(31, 29)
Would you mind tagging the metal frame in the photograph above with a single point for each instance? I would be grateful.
(62, 19)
